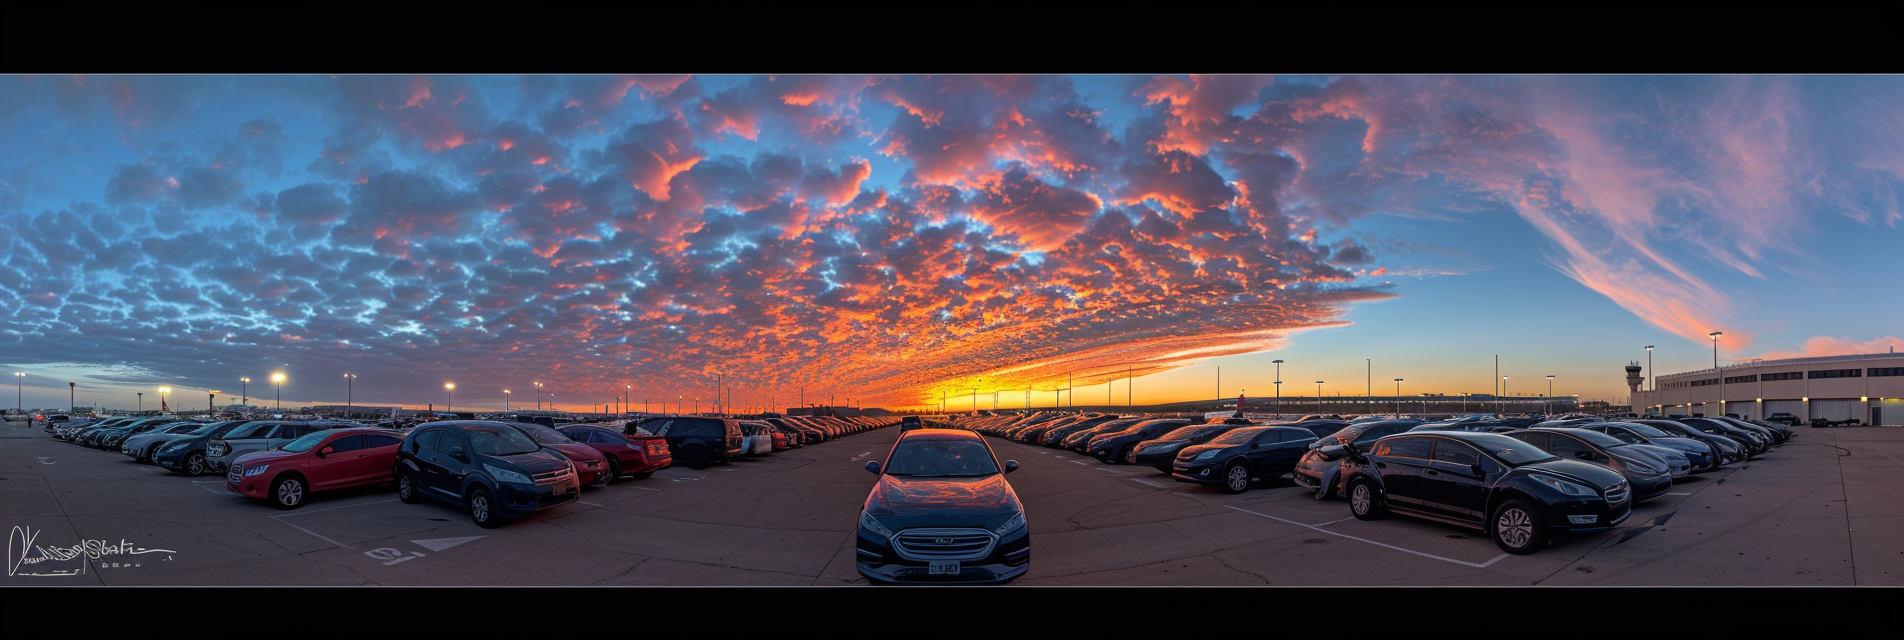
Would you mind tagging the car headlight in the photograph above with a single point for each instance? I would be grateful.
(1641, 467)
(505, 475)
(257, 470)
(1563, 486)
(870, 523)
(1016, 522)
(176, 446)
(1207, 454)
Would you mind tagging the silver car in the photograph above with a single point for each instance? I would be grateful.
(252, 437)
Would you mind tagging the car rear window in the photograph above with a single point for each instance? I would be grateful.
(252, 430)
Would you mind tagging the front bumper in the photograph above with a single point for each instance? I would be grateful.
(1648, 488)
(1009, 559)
(1196, 472)
(1163, 461)
(1604, 517)
(518, 500)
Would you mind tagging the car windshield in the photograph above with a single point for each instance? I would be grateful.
(941, 458)
(499, 441)
(1348, 434)
(542, 434)
(1186, 433)
(1239, 436)
(1514, 452)
(204, 430)
(1595, 437)
(305, 443)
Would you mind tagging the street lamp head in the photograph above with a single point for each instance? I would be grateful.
(1649, 347)
(1550, 377)
(1715, 335)
(165, 389)
(19, 374)
(449, 385)
(1398, 379)
(245, 380)
(1276, 361)
(277, 377)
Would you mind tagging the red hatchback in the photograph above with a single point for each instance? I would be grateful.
(591, 467)
(319, 461)
(628, 456)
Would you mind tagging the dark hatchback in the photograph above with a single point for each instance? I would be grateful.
(1244, 455)
(187, 455)
(489, 468)
(1314, 472)
(1161, 452)
(942, 512)
(1516, 493)
(697, 442)
(1115, 448)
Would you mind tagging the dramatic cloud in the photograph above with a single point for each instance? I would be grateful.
(1834, 346)
(884, 238)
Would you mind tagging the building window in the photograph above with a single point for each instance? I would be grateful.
(1891, 371)
(1704, 383)
(1836, 373)
(1789, 375)
(1741, 379)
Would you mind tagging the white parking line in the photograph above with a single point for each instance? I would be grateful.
(208, 488)
(646, 489)
(587, 503)
(313, 533)
(1465, 563)
(1678, 494)
(1147, 482)
(1893, 459)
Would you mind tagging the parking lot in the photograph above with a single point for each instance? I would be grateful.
(1825, 509)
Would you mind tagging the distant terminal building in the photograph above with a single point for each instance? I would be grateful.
(821, 410)
(1868, 388)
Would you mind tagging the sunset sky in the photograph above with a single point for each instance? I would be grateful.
(890, 238)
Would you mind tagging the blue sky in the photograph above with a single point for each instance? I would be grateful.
(895, 238)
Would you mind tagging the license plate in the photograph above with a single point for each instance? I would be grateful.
(944, 568)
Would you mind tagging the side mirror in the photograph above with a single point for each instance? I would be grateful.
(873, 467)
(1333, 452)
(1011, 465)
(326, 451)
(459, 455)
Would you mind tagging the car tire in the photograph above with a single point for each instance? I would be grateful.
(1365, 501)
(1516, 528)
(288, 492)
(194, 464)
(695, 457)
(1236, 477)
(482, 508)
(608, 475)
(407, 489)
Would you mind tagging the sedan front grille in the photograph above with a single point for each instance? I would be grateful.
(926, 545)
(237, 473)
(1617, 494)
(551, 476)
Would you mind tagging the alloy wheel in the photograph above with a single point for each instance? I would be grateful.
(1360, 498)
(290, 492)
(1238, 478)
(195, 464)
(1515, 526)
(479, 507)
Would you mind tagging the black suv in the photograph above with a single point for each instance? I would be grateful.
(697, 442)
(488, 467)
(1517, 493)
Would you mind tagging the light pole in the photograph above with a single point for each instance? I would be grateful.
(677, 405)
(449, 388)
(245, 388)
(505, 400)
(1464, 402)
(278, 378)
(1548, 405)
(1501, 403)
(1279, 386)
(1398, 397)
(1368, 390)
(627, 398)
(1649, 371)
(1318, 396)
(162, 392)
(211, 402)
(1715, 368)
(538, 396)
(141, 402)
(350, 384)
(19, 404)
(70, 401)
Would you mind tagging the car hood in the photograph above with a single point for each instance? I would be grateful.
(533, 462)
(1664, 453)
(902, 502)
(1153, 445)
(1681, 444)
(153, 437)
(264, 457)
(577, 451)
(1593, 475)
(1191, 452)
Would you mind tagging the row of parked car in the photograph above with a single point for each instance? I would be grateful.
(498, 469)
(1523, 480)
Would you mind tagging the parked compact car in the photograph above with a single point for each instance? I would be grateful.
(1161, 452)
(1730, 450)
(756, 438)
(1241, 457)
(591, 467)
(319, 461)
(627, 456)
(489, 468)
(1647, 473)
(141, 447)
(1700, 456)
(1513, 491)
(1053, 436)
(1324, 475)
(1786, 419)
(698, 442)
(909, 423)
(1077, 440)
(1754, 443)
(942, 512)
(187, 454)
(261, 435)
(1115, 448)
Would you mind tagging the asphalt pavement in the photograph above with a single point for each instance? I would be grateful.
(1825, 509)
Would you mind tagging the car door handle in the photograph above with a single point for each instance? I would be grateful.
(1433, 472)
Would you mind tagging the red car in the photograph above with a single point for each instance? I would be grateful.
(319, 461)
(628, 456)
(591, 467)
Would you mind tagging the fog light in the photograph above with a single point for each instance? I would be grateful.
(1204, 472)
(1582, 519)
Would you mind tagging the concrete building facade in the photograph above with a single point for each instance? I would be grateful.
(1868, 388)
